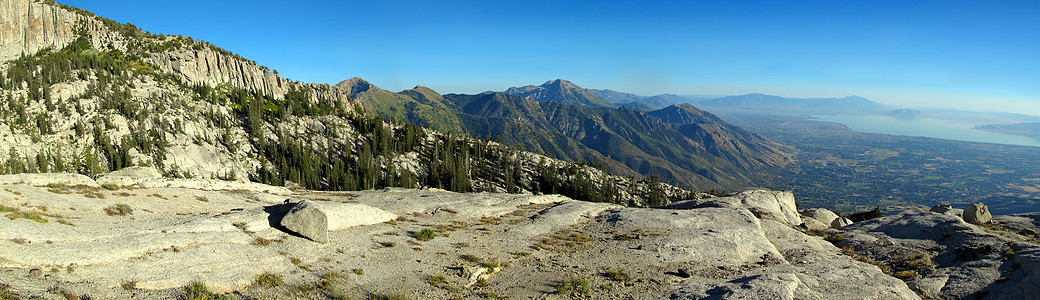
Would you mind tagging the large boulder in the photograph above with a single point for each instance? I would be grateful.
(823, 215)
(765, 204)
(308, 220)
(775, 205)
(977, 213)
(813, 224)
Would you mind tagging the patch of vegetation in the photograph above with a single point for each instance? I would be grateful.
(129, 285)
(387, 244)
(567, 239)
(906, 275)
(618, 275)
(110, 186)
(59, 291)
(491, 264)
(197, 290)
(490, 220)
(28, 215)
(268, 280)
(574, 287)
(425, 234)
(391, 296)
(358, 272)
(469, 257)
(438, 281)
(852, 252)
(119, 210)
(262, 242)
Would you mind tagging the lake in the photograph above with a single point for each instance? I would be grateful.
(926, 127)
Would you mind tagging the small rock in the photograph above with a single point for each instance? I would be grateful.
(308, 220)
(34, 273)
(929, 286)
(292, 186)
(977, 213)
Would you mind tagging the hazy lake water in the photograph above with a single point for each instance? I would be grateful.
(927, 127)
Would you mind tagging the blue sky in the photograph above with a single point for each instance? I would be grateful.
(951, 54)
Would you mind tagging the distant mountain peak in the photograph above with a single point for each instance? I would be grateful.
(559, 90)
(560, 83)
(355, 85)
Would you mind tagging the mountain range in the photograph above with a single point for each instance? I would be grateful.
(681, 143)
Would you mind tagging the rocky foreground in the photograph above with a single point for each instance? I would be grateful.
(130, 234)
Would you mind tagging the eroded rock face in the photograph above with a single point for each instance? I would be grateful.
(953, 259)
(977, 213)
(29, 26)
(308, 220)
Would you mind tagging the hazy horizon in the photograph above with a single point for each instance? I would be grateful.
(941, 54)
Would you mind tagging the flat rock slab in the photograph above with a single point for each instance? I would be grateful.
(222, 267)
(169, 237)
(705, 236)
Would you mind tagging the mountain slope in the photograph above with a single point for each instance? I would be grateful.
(693, 148)
(420, 105)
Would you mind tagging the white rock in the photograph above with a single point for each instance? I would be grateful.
(778, 205)
(814, 224)
(823, 215)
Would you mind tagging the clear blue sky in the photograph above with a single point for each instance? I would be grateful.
(978, 54)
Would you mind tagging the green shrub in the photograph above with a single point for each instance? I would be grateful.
(574, 287)
(426, 234)
(618, 275)
(388, 297)
(119, 210)
(110, 186)
(906, 275)
(196, 290)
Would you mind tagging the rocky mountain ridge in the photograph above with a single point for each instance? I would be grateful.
(30, 26)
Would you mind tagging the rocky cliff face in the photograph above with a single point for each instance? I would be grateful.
(29, 26)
